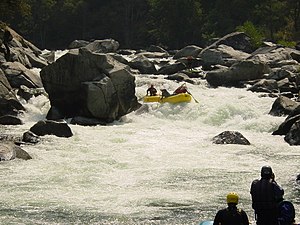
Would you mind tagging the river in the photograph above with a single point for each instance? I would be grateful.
(154, 167)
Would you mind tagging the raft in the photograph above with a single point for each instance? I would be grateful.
(183, 97)
(207, 222)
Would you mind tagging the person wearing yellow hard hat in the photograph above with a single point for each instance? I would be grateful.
(231, 215)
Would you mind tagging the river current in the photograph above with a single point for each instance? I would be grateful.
(155, 166)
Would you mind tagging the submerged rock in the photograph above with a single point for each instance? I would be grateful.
(230, 137)
(10, 151)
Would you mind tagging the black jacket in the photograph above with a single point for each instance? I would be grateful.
(231, 216)
(265, 194)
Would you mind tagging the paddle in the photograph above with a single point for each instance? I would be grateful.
(141, 98)
(193, 97)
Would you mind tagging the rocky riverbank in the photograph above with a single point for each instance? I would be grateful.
(94, 83)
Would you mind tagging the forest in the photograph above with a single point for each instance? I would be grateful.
(172, 24)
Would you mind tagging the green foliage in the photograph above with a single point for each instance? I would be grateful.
(176, 23)
(140, 23)
(10, 10)
(290, 44)
(271, 13)
(254, 33)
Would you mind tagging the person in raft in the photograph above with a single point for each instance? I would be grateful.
(151, 91)
(181, 89)
(164, 93)
(231, 215)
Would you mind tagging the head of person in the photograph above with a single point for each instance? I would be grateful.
(266, 172)
(232, 198)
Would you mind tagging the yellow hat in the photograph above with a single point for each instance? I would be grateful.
(232, 197)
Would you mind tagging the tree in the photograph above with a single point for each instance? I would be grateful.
(176, 23)
(294, 9)
(10, 10)
(271, 14)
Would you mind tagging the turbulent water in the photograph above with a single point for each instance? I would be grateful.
(155, 166)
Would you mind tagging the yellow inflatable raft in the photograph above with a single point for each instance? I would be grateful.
(183, 97)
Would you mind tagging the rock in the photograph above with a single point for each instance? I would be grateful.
(25, 52)
(103, 46)
(264, 85)
(27, 93)
(230, 137)
(21, 154)
(10, 120)
(9, 104)
(222, 55)
(242, 71)
(48, 127)
(78, 44)
(190, 50)
(83, 121)
(86, 84)
(171, 68)
(279, 73)
(283, 106)
(295, 54)
(155, 48)
(7, 151)
(293, 136)
(55, 114)
(180, 77)
(143, 64)
(18, 75)
(271, 56)
(9, 138)
(10, 151)
(49, 56)
(30, 137)
(285, 127)
(236, 40)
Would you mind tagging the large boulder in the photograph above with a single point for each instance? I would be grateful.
(9, 104)
(283, 106)
(272, 56)
(236, 40)
(23, 51)
(223, 55)
(92, 85)
(245, 70)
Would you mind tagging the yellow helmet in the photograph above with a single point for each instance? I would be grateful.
(232, 197)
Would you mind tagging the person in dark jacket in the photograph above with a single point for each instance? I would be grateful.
(151, 90)
(164, 93)
(266, 194)
(231, 215)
